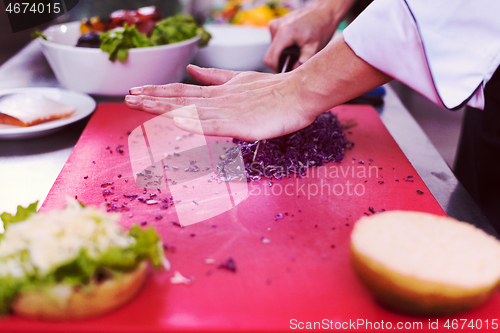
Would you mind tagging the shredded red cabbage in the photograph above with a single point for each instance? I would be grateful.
(321, 142)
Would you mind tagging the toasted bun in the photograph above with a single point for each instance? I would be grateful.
(422, 264)
(67, 303)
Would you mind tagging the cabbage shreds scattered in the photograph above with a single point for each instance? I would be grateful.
(77, 246)
(170, 30)
(21, 215)
(321, 142)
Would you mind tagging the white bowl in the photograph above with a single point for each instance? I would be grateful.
(90, 71)
(235, 47)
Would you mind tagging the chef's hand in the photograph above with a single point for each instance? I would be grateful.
(310, 27)
(245, 105)
(255, 106)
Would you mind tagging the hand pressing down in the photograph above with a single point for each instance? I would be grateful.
(243, 105)
(256, 106)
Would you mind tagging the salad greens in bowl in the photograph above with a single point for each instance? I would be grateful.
(111, 62)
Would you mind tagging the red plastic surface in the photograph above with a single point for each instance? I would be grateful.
(294, 268)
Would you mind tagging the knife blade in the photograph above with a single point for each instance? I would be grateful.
(288, 58)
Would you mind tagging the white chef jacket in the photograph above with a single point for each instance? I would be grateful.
(445, 49)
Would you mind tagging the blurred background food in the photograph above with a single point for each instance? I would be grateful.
(130, 59)
(240, 37)
(204, 11)
(13, 42)
(127, 29)
(242, 12)
(251, 12)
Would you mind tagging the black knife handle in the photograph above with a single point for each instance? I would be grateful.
(292, 51)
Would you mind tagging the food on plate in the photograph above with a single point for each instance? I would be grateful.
(28, 109)
(321, 142)
(144, 27)
(73, 263)
(424, 264)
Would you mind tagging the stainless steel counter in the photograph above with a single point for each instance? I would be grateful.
(28, 168)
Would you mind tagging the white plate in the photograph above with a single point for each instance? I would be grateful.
(83, 103)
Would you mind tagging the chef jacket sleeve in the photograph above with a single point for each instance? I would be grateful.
(445, 50)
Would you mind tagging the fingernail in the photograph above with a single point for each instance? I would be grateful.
(133, 99)
(149, 103)
(136, 90)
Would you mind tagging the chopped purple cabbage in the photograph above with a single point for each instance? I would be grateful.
(321, 142)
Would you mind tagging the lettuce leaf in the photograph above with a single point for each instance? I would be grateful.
(9, 287)
(118, 42)
(82, 269)
(37, 33)
(147, 245)
(22, 214)
(173, 29)
(76, 272)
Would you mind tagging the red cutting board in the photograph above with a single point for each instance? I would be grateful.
(290, 271)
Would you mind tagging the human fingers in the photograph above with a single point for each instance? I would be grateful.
(208, 76)
(173, 96)
(184, 93)
(249, 127)
(274, 26)
(160, 105)
(211, 76)
(170, 90)
(202, 108)
(185, 112)
(194, 112)
(148, 104)
(279, 43)
(285, 31)
(219, 127)
(238, 81)
(307, 51)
